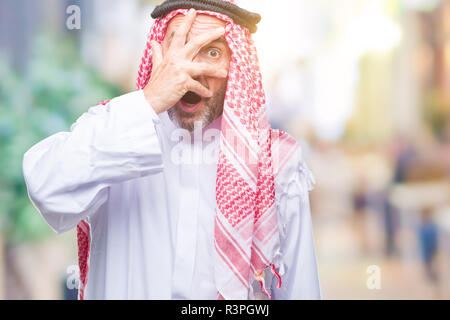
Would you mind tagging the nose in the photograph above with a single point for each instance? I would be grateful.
(202, 80)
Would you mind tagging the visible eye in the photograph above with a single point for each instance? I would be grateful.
(214, 53)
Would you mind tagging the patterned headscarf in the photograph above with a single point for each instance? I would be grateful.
(246, 233)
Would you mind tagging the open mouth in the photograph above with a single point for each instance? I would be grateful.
(191, 98)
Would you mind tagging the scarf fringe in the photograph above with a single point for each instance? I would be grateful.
(263, 288)
(262, 281)
(275, 273)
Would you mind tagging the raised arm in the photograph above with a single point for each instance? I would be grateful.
(68, 175)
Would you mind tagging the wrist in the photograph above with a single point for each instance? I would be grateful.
(153, 102)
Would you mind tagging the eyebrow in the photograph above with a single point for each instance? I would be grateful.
(220, 40)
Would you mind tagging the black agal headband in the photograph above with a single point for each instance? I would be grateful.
(240, 16)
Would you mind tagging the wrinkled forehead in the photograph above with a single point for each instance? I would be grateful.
(204, 23)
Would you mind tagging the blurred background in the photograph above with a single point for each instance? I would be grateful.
(363, 84)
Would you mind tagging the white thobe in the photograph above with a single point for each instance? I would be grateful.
(151, 216)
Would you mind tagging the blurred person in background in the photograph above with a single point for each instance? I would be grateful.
(404, 155)
(151, 226)
(360, 207)
(428, 240)
(428, 234)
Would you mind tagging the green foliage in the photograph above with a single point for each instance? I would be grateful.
(47, 98)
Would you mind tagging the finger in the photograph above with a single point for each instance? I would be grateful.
(179, 38)
(197, 43)
(205, 69)
(157, 55)
(198, 88)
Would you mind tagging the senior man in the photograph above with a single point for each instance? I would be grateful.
(181, 190)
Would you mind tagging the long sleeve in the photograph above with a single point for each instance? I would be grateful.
(300, 279)
(68, 174)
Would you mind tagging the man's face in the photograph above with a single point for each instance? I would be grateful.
(192, 109)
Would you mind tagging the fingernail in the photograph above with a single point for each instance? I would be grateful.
(191, 11)
(220, 30)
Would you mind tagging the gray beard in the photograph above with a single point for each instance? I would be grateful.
(213, 110)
